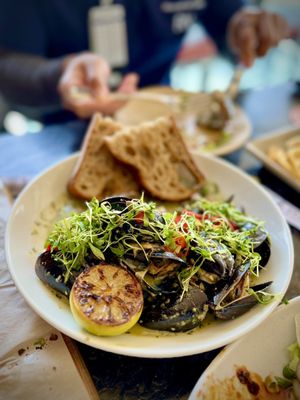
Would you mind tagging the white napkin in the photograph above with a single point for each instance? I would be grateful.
(35, 362)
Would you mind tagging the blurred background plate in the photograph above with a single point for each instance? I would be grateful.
(260, 147)
(262, 351)
(198, 139)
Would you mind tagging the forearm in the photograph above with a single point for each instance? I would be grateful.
(28, 80)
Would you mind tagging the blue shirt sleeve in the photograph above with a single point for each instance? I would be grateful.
(21, 26)
(216, 16)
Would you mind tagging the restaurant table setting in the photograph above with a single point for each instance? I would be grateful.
(53, 359)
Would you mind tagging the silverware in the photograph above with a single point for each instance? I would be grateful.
(234, 84)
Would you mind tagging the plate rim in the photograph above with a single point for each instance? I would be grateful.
(232, 347)
(138, 352)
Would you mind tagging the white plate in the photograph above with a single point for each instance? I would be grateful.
(48, 186)
(262, 351)
(238, 127)
(260, 146)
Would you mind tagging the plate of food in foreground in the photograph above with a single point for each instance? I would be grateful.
(210, 122)
(176, 269)
(280, 153)
(264, 364)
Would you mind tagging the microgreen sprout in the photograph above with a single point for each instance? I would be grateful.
(203, 228)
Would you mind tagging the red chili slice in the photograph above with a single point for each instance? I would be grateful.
(139, 218)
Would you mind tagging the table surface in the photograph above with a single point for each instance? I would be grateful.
(122, 377)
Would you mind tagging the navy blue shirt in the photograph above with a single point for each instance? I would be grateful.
(54, 28)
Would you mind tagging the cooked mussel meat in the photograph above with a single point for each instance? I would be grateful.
(164, 264)
(160, 274)
(143, 251)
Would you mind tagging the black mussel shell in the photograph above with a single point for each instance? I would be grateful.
(236, 308)
(258, 237)
(181, 316)
(242, 305)
(156, 286)
(163, 260)
(117, 202)
(264, 250)
(51, 273)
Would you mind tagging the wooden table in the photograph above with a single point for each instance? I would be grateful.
(122, 377)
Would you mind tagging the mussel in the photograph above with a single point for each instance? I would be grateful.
(264, 250)
(256, 234)
(220, 267)
(142, 252)
(164, 263)
(234, 298)
(160, 274)
(117, 202)
(177, 315)
(51, 273)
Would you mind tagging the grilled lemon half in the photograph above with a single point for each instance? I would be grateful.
(106, 300)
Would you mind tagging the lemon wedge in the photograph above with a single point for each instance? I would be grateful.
(106, 300)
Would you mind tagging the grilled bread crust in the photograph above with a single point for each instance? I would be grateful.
(97, 173)
(156, 150)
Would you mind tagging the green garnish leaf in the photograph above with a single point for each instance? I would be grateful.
(97, 252)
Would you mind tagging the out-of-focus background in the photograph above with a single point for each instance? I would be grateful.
(199, 66)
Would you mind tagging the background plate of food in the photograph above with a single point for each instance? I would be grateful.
(45, 199)
(280, 153)
(264, 364)
(218, 132)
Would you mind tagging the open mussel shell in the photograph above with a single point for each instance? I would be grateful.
(143, 252)
(51, 273)
(234, 299)
(160, 275)
(182, 315)
(241, 305)
(213, 271)
(164, 263)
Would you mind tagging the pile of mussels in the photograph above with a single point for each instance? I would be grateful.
(184, 275)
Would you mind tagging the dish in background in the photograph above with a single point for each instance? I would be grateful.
(22, 236)
(260, 147)
(262, 352)
(236, 133)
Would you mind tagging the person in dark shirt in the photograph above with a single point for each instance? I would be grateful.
(45, 53)
(44, 46)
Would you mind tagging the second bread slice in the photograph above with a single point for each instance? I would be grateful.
(158, 153)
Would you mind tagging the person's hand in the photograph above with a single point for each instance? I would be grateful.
(251, 33)
(83, 86)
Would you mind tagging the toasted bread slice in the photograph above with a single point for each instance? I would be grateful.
(158, 153)
(97, 173)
